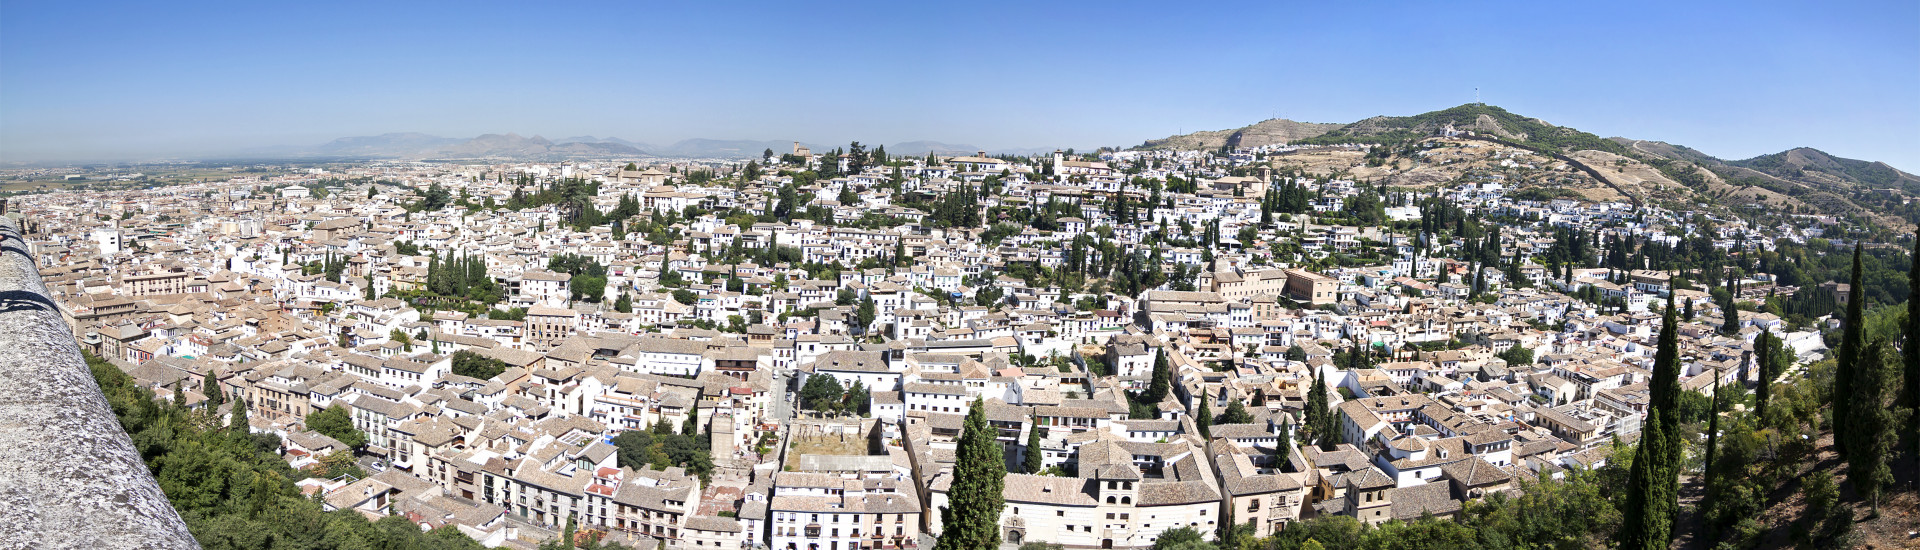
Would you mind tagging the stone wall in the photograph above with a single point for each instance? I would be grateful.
(69, 475)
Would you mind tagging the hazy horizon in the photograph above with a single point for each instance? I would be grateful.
(85, 82)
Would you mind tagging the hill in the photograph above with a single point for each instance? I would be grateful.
(1472, 117)
(1266, 132)
(1806, 163)
(1797, 181)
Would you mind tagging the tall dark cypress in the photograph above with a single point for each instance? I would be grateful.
(1763, 362)
(1204, 418)
(1646, 519)
(1653, 481)
(1910, 353)
(1850, 342)
(1317, 412)
(1713, 437)
(972, 517)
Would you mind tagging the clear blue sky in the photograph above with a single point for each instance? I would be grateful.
(84, 80)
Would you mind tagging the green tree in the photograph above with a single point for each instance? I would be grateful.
(1517, 356)
(686, 297)
(1236, 414)
(210, 386)
(864, 315)
(822, 392)
(472, 364)
(971, 519)
(1296, 353)
(858, 399)
(335, 422)
(1184, 538)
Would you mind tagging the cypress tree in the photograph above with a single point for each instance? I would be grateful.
(1850, 343)
(1317, 409)
(972, 516)
(1871, 433)
(1204, 418)
(1910, 353)
(1162, 379)
(1730, 312)
(1646, 519)
(210, 386)
(1032, 463)
(1285, 447)
(692, 425)
(1763, 361)
(1713, 438)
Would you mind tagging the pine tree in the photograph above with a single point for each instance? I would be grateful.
(1848, 357)
(1871, 433)
(1032, 461)
(972, 517)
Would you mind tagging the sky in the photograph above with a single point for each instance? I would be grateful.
(103, 81)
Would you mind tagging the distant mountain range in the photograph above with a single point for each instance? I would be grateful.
(413, 145)
(510, 146)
